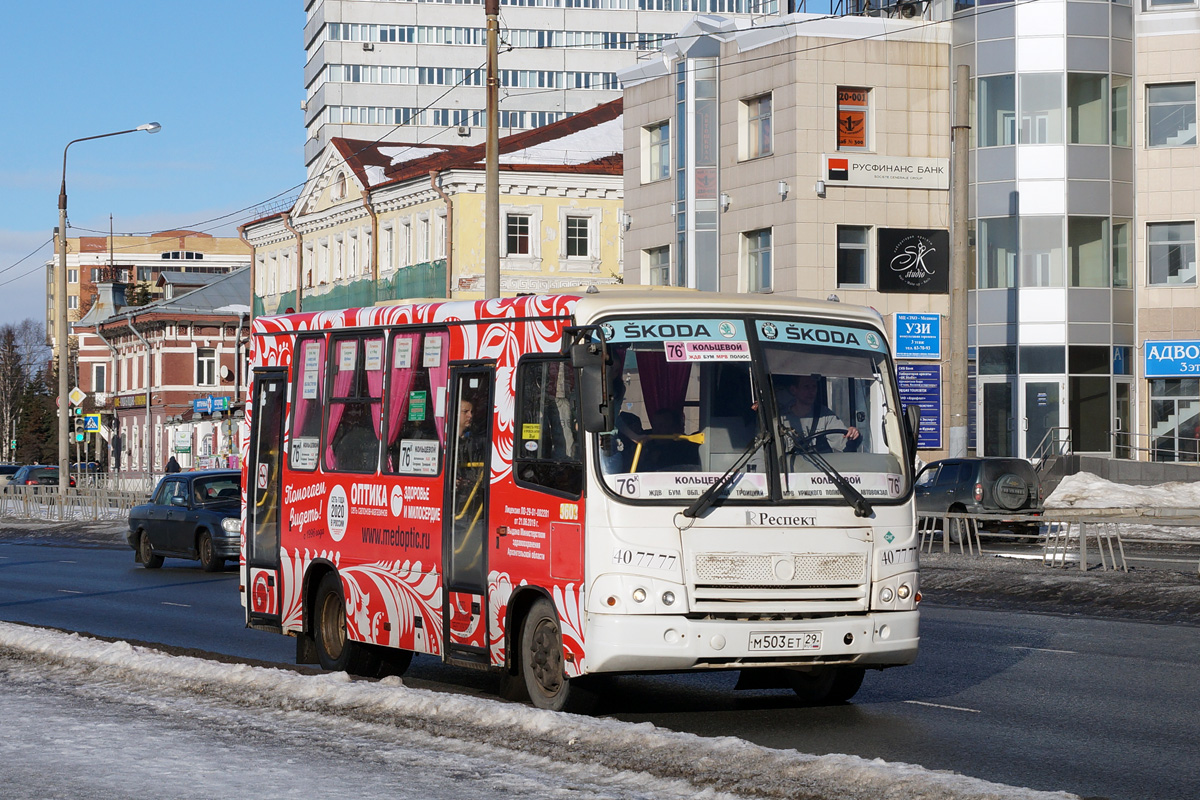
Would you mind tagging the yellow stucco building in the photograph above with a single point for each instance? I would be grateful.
(380, 222)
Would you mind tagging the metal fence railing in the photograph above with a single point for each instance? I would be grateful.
(88, 503)
(1074, 538)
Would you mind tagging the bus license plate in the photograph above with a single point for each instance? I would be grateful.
(784, 641)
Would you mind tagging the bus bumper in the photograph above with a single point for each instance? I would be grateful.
(637, 643)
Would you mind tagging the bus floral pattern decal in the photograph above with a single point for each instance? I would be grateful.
(291, 574)
(568, 600)
(395, 592)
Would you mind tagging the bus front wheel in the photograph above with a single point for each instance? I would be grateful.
(336, 651)
(822, 686)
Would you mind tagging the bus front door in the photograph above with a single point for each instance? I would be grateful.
(470, 450)
(263, 499)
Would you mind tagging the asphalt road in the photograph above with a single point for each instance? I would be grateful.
(1098, 707)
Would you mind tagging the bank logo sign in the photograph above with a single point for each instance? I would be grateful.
(887, 172)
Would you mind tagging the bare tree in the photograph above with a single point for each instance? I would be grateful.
(23, 358)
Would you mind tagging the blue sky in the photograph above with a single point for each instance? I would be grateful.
(224, 78)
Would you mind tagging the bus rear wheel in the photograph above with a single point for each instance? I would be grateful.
(826, 686)
(335, 651)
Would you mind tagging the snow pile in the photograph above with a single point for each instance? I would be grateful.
(1085, 490)
(710, 765)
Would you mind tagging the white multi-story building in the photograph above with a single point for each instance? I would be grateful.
(413, 70)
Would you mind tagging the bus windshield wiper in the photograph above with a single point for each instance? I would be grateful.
(705, 501)
(797, 443)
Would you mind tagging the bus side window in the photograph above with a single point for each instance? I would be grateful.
(548, 446)
(355, 404)
(414, 430)
(308, 402)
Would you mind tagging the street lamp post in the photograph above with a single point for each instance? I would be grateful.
(60, 311)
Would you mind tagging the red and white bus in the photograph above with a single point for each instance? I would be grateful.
(612, 481)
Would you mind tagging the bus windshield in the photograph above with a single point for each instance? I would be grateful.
(815, 402)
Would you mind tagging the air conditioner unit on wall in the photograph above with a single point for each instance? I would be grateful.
(464, 131)
(368, 46)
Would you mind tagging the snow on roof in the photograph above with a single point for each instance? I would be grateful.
(579, 147)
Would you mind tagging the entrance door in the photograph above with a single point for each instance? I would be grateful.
(1043, 407)
(1122, 419)
(470, 451)
(996, 410)
(263, 497)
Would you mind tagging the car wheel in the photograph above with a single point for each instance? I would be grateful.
(335, 651)
(209, 561)
(542, 663)
(146, 554)
(1010, 491)
(822, 686)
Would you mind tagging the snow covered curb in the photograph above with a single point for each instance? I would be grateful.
(710, 764)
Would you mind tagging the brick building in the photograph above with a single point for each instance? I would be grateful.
(170, 368)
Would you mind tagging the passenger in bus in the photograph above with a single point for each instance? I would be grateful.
(665, 449)
(808, 415)
(355, 445)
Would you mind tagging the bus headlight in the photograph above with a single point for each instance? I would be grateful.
(885, 594)
(668, 598)
(903, 591)
(639, 595)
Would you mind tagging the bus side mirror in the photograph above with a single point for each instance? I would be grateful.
(596, 410)
(912, 420)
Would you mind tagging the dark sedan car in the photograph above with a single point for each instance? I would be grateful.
(36, 475)
(194, 515)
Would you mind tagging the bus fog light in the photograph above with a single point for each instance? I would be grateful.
(672, 636)
(668, 598)
(904, 591)
(884, 632)
(639, 595)
(848, 639)
(717, 642)
(886, 594)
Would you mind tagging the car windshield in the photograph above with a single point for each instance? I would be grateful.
(693, 395)
(220, 489)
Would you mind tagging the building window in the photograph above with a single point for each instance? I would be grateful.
(181, 255)
(72, 276)
(1175, 419)
(657, 143)
(658, 266)
(997, 111)
(206, 367)
(1087, 245)
(997, 253)
(852, 244)
(1121, 253)
(516, 235)
(576, 238)
(1042, 251)
(1171, 115)
(1171, 253)
(757, 249)
(757, 127)
(387, 257)
(1122, 119)
(100, 378)
(1042, 108)
(853, 119)
(73, 302)
(1087, 108)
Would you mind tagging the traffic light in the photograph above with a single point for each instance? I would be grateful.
(79, 423)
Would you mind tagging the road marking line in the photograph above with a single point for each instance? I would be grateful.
(939, 705)
(1045, 650)
(70, 591)
(66, 562)
(179, 605)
